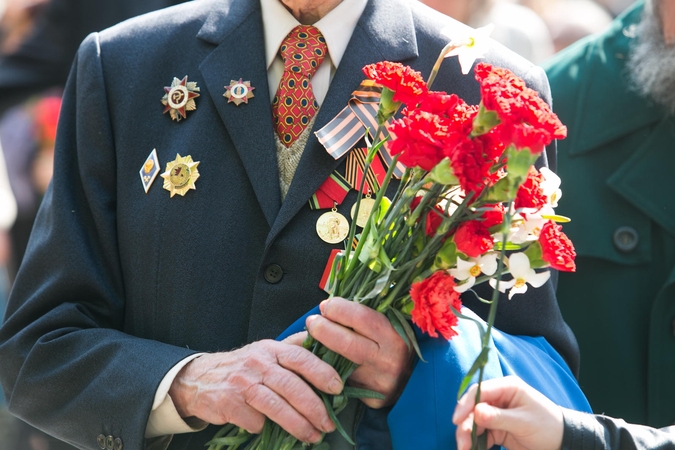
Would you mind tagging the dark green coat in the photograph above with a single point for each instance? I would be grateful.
(618, 183)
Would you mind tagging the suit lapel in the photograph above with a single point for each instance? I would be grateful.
(384, 32)
(237, 30)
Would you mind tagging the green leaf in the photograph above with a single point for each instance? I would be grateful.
(396, 323)
(510, 246)
(334, 418)
(442, 173)
(481, 441)
(480, 361)
(557, 218)
(352, 392)
(266, 435)
(408, 331)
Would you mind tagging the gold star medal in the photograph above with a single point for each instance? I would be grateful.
(180, 175)
(180, 98)
(238, 92)
(149, 170)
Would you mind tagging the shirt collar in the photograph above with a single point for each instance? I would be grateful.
(336, 27)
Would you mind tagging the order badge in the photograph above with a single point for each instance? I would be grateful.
(180, 175)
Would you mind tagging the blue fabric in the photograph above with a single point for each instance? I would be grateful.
(431, 392)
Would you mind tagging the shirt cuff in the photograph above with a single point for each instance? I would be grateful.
(164, 418)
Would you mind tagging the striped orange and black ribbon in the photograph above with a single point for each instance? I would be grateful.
(346, 129)
(356, 168)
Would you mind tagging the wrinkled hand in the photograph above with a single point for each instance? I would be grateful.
(367, 338)
(516, 416)
(265, 378)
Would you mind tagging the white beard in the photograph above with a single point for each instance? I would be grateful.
(651, 63)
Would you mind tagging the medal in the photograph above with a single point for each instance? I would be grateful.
(180, 98)
(180, 175)
(238, 92)
(149, 170)
(332, 227)
(365, 208)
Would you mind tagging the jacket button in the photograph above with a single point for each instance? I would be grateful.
(273, 273)
(110, 443)
(626, 239)
(100, 440)
(118, 444)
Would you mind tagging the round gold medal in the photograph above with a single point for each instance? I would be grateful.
(366, 206)
(332, 227)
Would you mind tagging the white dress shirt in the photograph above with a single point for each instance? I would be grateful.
(336, 27)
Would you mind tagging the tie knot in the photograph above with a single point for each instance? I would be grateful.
(303, 50)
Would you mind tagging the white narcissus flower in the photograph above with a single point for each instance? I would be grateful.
(468, 271)
(550, 186)
(522, 273)
(473, 44)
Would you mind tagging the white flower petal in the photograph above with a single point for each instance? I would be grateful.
(465, 286)
(539, 279)
(462, 270)
(517, 290)
(503, 285)
(488, 263)
(519, 265)
(473, 45)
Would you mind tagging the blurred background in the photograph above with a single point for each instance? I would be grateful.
(39, 38)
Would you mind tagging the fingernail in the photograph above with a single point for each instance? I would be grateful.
(313, 437)
(322, 306)
(335, 386)
(310, 320)
(328, 425)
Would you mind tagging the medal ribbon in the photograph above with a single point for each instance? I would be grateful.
(356, 164)
(332, 191)
(347, 128)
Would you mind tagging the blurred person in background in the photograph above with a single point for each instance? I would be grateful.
(616, 93)
(570, 20)
(516, 27)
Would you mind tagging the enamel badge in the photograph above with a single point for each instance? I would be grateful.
(149, 170)
(238, 92)
(180, 98)
(180, 175)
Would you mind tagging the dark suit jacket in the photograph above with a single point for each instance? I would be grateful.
(118, 285)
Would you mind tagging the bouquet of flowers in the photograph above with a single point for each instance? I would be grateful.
(470, 208)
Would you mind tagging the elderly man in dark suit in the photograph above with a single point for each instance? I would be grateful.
(133, 295)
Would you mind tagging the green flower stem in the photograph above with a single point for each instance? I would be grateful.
(491, 316)
(350, 264)
(447, 49)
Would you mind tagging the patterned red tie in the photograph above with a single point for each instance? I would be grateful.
(294, 105)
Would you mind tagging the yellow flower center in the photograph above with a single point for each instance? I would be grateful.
(519, 283)
(475, 271)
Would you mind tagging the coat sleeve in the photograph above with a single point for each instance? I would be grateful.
(595, 432)
(68, 367)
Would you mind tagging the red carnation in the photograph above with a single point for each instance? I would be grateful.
(419, 138)
(473, 238)
(493, 215)
(530, 194)
(433, 219)
(556, 247)
(526, 120)
(408, 85)
(433, 298)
